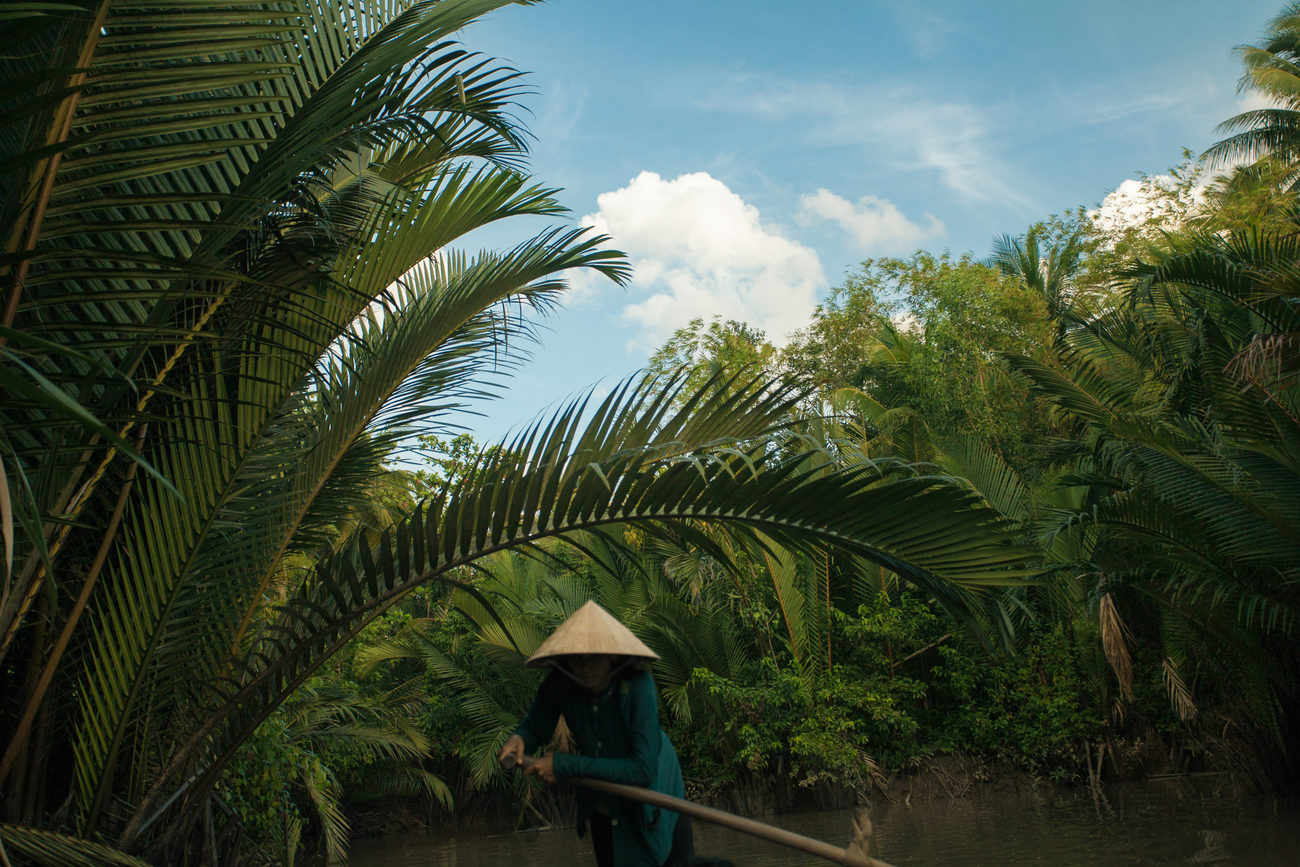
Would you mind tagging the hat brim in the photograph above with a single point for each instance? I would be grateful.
(590, 630)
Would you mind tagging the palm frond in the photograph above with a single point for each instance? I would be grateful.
(61, 850)
(1180, 697)
(637, 460)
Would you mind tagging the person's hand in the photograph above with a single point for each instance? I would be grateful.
(514, 747)
(543, 767)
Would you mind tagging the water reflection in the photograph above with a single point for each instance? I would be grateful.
(1177, 822)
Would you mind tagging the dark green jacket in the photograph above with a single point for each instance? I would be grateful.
(618, 738)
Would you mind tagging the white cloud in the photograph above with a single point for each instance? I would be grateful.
(698, 249)
(898, 126)
(1157, 201)
(906, 322)
(875, 224)
(1255, 101)
(562, 104)
(1129, 204)
(929, 33)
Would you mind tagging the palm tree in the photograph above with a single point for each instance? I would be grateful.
(880, 418)
(1185, 396)
(1048, 273)
(227, 260)
(229, 247)
(1271, 71)
(318, 723)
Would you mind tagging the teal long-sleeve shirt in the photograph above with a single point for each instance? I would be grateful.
(618, 738)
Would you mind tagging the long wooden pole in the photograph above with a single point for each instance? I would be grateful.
(719, 817)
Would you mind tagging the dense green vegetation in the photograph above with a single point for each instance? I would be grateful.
(1027, 508)
(231, 291)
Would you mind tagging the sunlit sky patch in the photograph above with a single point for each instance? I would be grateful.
(747, 154)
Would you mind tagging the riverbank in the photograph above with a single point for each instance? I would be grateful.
(1205, 819)
(946, 778)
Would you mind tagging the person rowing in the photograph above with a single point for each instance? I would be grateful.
(600, 684)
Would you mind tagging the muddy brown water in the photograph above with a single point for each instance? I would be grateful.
(1172, 822)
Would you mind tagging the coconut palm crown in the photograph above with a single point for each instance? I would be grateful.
(1273, 72)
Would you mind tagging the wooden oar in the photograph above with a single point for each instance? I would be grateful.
(854, 856)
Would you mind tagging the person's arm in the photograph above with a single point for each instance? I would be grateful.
(537, 727)
(639, 766)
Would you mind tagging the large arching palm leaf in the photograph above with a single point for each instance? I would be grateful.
(206, 204)
(636, 460)
(137, 181)
(180, 568)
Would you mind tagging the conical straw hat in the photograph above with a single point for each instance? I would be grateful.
(590, 629)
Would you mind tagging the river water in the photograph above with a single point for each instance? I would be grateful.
(1173, 822)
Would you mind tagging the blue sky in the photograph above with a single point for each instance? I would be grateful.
(747, 155)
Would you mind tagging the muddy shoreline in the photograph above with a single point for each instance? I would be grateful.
(940, 778)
